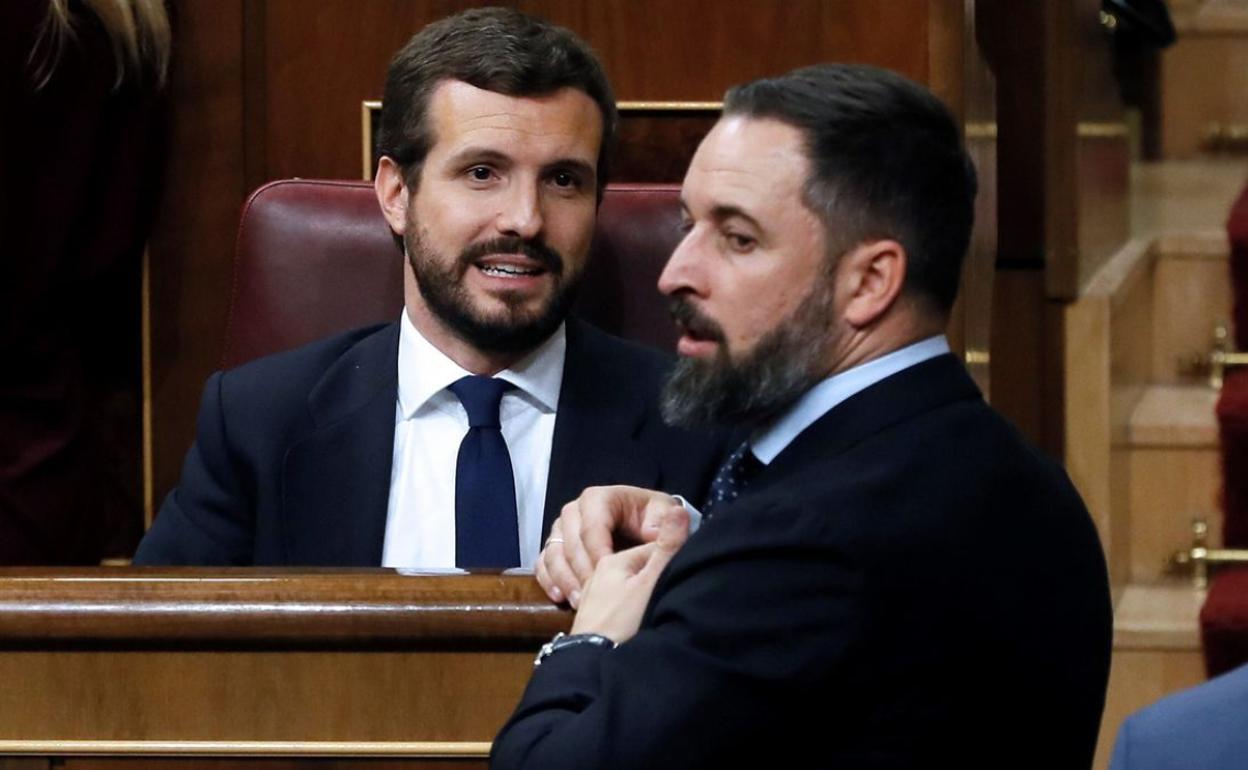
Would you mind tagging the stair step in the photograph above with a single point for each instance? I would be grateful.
(1160, 616)
(1178, 416)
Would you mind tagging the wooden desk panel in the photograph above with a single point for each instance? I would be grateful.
(227, 663)
(247, 696)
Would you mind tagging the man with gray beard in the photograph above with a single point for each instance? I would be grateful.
(885, 573)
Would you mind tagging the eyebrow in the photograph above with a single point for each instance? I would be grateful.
(573, 164)
(487, 155)
(480, 155)
(724, 211)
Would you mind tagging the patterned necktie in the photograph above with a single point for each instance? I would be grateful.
(486, 531)
(737, 471)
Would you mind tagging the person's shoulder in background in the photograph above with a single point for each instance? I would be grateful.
(1203, 727)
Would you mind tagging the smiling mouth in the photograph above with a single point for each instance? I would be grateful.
(510, 271)
(513, 259)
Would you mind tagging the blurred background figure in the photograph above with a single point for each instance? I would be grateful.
(1197, 729)
(81, 150)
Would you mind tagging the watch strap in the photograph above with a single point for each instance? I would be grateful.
(563, 641)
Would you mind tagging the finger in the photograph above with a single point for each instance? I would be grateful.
(562, 576)
(608, 512)
(544, 580)
(673, 529)
(653, 515)
(673, 532)
(574, 553)
(628, 562)
(553, 572)
(597, 535)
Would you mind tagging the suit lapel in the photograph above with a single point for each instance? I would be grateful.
(336, 480)
(597, 427)
(903, 396)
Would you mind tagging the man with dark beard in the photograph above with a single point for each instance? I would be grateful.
(450, 438)
(886, 575)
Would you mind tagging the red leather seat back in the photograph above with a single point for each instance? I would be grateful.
(1237, 230)
(1232, 406)
(315, 257)
(1224, 618)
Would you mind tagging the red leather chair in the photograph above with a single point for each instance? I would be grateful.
(315, 257)
(1224, 618)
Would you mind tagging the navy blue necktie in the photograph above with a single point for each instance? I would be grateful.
(486, 531)
(733, 475)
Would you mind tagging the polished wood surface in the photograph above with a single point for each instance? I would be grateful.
(1212, 50)
(238, 662)
(151, 606)
(189, 253)
(1062, 192)
(971, 324)
(322, 60)
(135, 763)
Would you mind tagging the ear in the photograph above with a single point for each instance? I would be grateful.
(871, 276)
(392, 194)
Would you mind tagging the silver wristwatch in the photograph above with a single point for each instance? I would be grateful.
(563, 641)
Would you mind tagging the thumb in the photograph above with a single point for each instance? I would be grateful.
(673, 532)
(632, 560)
(656, 509)
(673, 529)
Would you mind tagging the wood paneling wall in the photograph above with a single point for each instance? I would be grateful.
(320, 60)
(1062, 175)
(268, 89)
(190, 249)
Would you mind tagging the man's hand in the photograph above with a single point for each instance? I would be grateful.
(619, 590)
(588, 529)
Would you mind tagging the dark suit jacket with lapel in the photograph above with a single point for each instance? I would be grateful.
(907, 585)
(291, 461)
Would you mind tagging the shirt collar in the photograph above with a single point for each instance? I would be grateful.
(770, 440)
(425, 371)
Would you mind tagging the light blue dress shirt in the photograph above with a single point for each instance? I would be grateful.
(769, 440)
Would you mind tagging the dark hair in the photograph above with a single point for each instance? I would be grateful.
(496, 49)
(887, 161)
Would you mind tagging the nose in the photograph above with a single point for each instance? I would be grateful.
(521, 213)
(682, 273)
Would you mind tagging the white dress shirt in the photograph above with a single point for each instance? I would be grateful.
(429, 425)
(770, 440)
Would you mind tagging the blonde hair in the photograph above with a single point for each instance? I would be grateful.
(137, 29)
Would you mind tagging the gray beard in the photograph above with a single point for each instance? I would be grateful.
(785, 363)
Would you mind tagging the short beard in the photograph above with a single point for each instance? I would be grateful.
(514, 330)
(785, 363)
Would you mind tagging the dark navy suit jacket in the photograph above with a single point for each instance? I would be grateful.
(291, 461)
(907, 585)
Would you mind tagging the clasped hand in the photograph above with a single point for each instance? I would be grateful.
(610, 590)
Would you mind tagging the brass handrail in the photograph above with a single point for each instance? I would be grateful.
(1200, 559)
(1225, 138)
(1220, 358)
